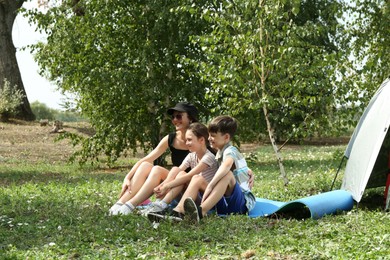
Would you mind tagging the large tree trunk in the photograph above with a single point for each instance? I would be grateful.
(9, 68)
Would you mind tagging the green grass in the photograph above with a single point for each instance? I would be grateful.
(59, 211)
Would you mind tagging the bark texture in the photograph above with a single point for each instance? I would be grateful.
(9, 68)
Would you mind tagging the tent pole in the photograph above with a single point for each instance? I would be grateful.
(337, 173)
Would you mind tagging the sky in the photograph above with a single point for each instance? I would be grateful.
(37, 87)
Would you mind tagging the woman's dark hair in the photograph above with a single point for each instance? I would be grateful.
(187, 107)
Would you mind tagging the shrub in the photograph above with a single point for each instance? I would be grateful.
(10, 99)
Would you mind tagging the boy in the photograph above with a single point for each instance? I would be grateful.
(229, 190)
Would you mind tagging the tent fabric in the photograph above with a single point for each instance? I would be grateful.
(365, 146)
(315, 206)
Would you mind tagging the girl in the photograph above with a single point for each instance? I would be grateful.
(201, 161)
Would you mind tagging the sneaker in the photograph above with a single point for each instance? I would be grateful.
(126, 209)
(165, 214)
(153, 207)
(114, 210)
(193, 212)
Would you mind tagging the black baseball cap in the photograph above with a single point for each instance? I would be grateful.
(187, 107)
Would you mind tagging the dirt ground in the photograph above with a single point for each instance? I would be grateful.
(30, 141)
(20, 140)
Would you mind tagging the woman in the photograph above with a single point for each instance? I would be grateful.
(143, 177)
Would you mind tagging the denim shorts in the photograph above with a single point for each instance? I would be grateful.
(234, 204)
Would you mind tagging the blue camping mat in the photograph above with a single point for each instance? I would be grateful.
(315, 206)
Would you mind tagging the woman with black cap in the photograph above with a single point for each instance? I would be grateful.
(143, 177)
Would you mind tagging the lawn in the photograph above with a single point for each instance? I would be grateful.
(54, 210)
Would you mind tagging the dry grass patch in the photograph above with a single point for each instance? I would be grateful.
(28, 141)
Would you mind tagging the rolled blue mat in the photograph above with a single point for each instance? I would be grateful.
(315, 206)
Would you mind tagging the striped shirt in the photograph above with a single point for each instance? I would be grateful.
(208, 158)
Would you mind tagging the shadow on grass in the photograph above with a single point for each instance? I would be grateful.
(65, 226)
(65, 215)
(297, 163)
(59, 208)
(19, 177)
(373, 200)
(89, 131)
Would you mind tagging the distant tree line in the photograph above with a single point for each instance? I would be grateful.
(42, 111)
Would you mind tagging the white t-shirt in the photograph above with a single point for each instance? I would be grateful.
(208, 158)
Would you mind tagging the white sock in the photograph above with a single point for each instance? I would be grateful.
(129, 205)
(126, 209)
(115, 208)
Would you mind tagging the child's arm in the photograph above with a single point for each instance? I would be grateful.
(185, 178)
(223, 169)
(171, 176)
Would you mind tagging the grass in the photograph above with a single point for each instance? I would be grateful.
(54, 210)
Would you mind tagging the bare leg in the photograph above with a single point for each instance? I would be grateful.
(172, 174)
(197, 183)
(156, 175)
(137, 181)
(224, 187)
(174, 192)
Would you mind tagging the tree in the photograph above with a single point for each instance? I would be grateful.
(278, 57)
(42, 111)
(275, 65)
(367, 39)
(120, 62)
(9, 69)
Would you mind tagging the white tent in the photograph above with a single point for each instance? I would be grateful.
(369, 147)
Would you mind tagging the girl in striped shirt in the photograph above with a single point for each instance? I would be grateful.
(200, 160)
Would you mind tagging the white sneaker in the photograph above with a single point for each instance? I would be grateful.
(114, 210)
(125, 209)
(154, 207)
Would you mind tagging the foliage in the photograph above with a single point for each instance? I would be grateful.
(367, 37)
(278, 54)
(10, 99)
(286, 61)
(59, 211)
(119, 59)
